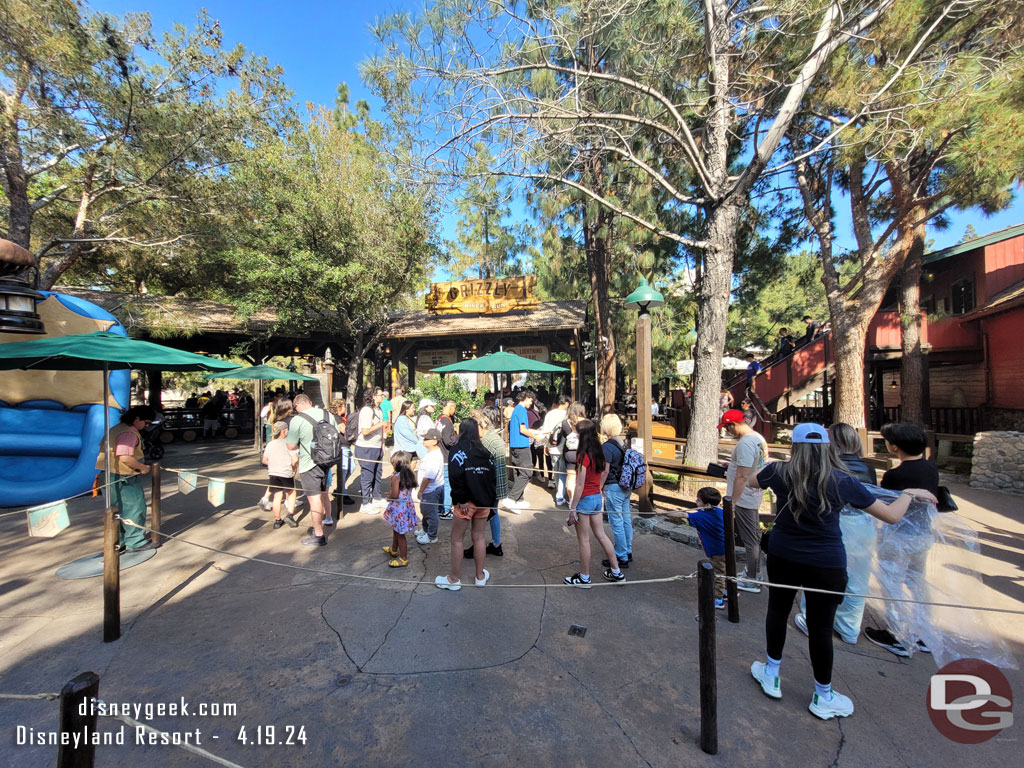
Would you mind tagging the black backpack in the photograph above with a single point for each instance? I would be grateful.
(352, 428)
(325, 450)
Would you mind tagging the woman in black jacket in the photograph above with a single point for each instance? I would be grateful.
(473, 478)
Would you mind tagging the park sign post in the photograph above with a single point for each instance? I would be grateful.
(488, 297)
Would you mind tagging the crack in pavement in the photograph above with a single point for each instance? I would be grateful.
(839, 747)
(401, 613)
(597, 701)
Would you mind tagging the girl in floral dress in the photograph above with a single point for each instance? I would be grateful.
(400, 512)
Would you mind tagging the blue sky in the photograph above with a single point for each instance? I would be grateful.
(320, 44)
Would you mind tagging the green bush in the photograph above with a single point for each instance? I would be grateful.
(450, 387)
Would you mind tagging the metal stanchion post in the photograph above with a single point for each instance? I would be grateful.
(111, 577)
(73, 695)
(731, 592)
(155, 515)
(706, 657)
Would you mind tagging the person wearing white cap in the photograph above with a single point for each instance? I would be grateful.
(805, 549)
(425, 417)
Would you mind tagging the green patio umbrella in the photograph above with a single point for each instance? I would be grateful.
(101, 351)
(259, 374)
(500, 362)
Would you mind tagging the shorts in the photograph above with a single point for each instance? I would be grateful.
(313, 481)
(281, 483)
(473, 512)
(590, 505)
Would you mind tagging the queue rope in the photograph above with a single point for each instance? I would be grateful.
(30, 696)
(745, 580)
(175, 537)
(663, 580)
(91, 490)
(184, 745)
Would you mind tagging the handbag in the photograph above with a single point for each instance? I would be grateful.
(946, 502)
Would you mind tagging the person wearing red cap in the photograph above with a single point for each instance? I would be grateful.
(747, 459)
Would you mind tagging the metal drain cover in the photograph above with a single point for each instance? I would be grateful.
(576, 629)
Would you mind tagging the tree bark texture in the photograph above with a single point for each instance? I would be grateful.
(599, 265)
(849, 337)
(912, 364)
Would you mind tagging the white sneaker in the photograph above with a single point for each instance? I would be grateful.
(515, 506)
(481, 582)
(746, 586)
(507, 503)
(771, 686)
(801, 623)
(441, 582)
(422, 538)
(837, 706)
(264, 504)
(523, 504)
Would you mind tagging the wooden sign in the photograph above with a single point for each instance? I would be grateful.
(541, 354)
(428, 359)
(489, 297)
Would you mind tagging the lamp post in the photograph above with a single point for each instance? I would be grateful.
(642, 299)
(18, 299)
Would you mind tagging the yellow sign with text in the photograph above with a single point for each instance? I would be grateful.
(488, 297)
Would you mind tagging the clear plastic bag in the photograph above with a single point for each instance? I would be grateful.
(932, 557)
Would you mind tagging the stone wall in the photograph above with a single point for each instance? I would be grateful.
(998, 461)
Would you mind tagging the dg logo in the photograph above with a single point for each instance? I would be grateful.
(970, 701)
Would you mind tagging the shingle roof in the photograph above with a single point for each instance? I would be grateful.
(1006, 299)
(547, 316)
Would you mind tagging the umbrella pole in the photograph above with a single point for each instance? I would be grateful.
(258, 406)
(106, 428)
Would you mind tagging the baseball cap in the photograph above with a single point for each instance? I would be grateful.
(810, 433)
(732, 416)
(508, 401)
(280, 426)
(424, 402)
(432, 434)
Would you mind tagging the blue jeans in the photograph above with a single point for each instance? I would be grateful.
(590, 505)
(495, 523)
(430, 505)
(860, 540)
(369, 459)
(619, 518)
(559, 464)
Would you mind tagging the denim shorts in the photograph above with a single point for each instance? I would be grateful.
(589, 505)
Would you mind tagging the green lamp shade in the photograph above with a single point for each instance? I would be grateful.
(644, 297)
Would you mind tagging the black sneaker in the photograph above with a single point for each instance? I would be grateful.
(622, 563)
(467, 553)
(445, 515)
(609, 576)
(922, 646)
(883, 638)
(144, 548)
(292, 522)
(314, 541)
(497, 551)
(577, 580)
(278, 524)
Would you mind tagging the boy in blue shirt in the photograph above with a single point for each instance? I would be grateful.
(707, 519)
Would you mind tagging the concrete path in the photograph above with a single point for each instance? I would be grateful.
(401, 674)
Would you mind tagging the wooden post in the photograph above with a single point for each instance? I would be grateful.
(111, 576)
(155, 388)
(706, 657)
(76, 693)
(155, 514)
(643, 395)
(731, 591)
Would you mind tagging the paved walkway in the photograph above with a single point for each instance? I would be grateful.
(398, 674)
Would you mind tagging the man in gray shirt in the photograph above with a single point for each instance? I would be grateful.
(370, 449)
(748, 458)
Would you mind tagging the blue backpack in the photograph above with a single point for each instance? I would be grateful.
(634, 470)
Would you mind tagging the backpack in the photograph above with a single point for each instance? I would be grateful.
(325, 450)
(352, 428)
(572, 441)
(634, 470)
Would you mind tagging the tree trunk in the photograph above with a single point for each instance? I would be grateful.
(912, 364)
(849, 337)
(599, 266)
(352, 383)
(712, 318)
(57, 266)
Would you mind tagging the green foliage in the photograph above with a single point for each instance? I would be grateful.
(440, 389)
(117, 143)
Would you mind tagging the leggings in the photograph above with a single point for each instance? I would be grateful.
(821, 610)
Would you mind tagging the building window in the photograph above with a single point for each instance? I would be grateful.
(928, 304)
(962, 292)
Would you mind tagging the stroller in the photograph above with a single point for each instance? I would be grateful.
(152, 448)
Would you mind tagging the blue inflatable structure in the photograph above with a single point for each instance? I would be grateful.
(49, 445)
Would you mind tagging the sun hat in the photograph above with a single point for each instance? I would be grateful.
(424, 402)
(731, 416)
(810, 433)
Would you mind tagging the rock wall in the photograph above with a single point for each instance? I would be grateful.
(998, 462)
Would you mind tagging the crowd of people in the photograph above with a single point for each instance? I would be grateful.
(471, 473)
